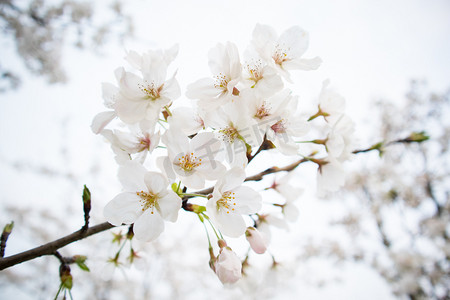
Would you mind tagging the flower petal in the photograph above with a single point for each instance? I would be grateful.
(248, 201)
(124, 208)
(232, 179)
(101, 120)
(131, 175)
(169, 205)
(155, 182)
(148, 226)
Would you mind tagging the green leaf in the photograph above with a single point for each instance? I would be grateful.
(83, 266)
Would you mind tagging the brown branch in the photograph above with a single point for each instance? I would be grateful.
(259, 176)
(50, 248)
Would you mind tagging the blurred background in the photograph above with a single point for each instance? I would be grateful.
(384, 236)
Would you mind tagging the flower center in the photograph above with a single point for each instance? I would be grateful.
(229, 134)
(152, 91)
(189, 162)
(262, 111)
(254, 68)
(279, 127)
(144, 143)
(148, 200)
(280, 54)
(226, 202)
(221, 82)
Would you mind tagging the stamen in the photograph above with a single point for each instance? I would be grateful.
(148, 200)
(279, 127)
(226, 202)
(281, 54)
(229, 134)
(189, 162)
(263, 111)
(144, 143)
(254, 68)
(151, 90)
(221, 82)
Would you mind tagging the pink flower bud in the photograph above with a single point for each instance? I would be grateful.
(255, 240)
(228, 266)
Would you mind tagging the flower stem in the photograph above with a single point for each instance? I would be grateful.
(193, 195)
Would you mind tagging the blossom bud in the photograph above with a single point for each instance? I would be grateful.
(417, 137)
(65, 276)
(228, 266)
(255, 239)
(222, 243)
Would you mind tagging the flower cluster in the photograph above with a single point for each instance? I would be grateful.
(242, 108)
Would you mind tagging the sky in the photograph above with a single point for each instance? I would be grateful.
(370, 50)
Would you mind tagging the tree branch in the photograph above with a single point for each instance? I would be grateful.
(50, 248)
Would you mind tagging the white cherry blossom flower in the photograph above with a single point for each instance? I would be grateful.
(230, 200)
(141, 98)
(340, 142)
(331, 104)
(226, 68)
(144, 62)
(237, 130)
(284, 52)
(136, 142)
(285, 127)
(266, 110)
(228, 266)
(290, 193)
(186, 119)
(192, 160)
(330, 177)
(146, 202)
(266, 222)
(110, 93)
(262, 79)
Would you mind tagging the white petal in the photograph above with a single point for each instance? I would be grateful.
(148, 226)
(155, 182)
(194, 180)
(232, 225)
(211, 170)
(232, 179)
(131, 111)
(169, 205)
(203, 89)
(205, 145)
(124, 208)
(131, 175)
(303, 64)
(296, 39)
(101, 120)
(248, 201)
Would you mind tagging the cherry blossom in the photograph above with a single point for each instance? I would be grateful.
(331, 104)
(339, 142)
(226, 68)
(230, 200)
(146, 202)
(109, 93)
(136, 141)
(262, 79)
(284, 52)
(192, 160)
